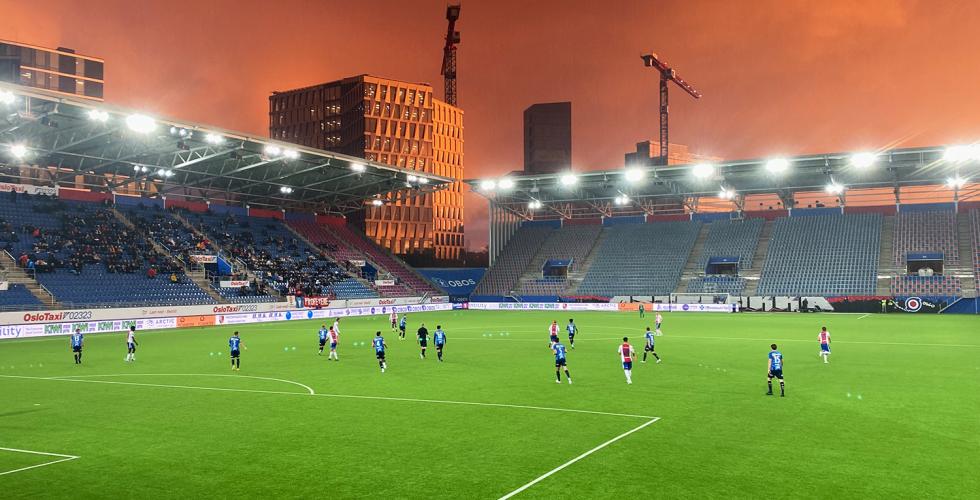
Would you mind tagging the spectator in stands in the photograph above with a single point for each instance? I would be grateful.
(173, 278)
(151, 273)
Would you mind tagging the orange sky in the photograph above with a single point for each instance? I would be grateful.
(778, 77)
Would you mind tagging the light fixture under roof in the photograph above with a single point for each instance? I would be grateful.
(863, 160)
(488, 185)
(777, 165)
(18, 150)
(703, 170)
(634, 174)
(358, 167)
(506, 183)
(141, 123)
(568, 179)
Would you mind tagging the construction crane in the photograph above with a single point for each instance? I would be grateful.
(667, 74)
(449, 54)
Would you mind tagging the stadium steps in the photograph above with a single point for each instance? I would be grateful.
(691, 268)
(199, 278)
(360, 279)
(576, 277)
(394, 258)
(886, 261)
(965, 270)
(754, 272)
(226, 255)
(18, 276)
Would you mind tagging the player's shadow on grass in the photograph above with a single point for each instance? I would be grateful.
(21, 412)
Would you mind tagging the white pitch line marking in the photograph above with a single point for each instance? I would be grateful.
(863, 316)
(343, 396)
(62, 458)
(576, 459)
(304, 386)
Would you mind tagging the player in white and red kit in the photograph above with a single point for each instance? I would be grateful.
(660, 319)
(394, 320)
(553, 333)
(334, 340)
(824, 338)
(626, 353)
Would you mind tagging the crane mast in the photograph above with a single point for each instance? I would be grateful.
(667, 75)
(449, 54)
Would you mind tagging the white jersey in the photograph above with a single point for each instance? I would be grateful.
(660, 319)
(393, 317)
(553, 329)
(336, 326)
(130, 338)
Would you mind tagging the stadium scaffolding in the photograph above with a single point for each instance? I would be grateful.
(57, 141)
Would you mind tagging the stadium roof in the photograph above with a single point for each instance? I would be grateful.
(655, 189)
(114, 147)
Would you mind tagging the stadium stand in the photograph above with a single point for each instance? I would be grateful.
(18, 296)
(923, 232)
(926, 285)
(383, 259)
(342, 252)
(285, 263)
(640, 259)
(975, 219)
(567, 243)
(822, 255)
(543, 287)
(716, 284)
(502, 277)
(732, 239)
(85, 256)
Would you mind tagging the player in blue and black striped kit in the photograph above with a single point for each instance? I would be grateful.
(650, 346)
(560, 362)
(76, 343)
(775, 365)
(572, 330)
(235, 345)
(379, 350)
(439, 337)
(323, 339)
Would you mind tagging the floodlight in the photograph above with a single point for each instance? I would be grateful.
(863, 160)
(834, 188)
(285, 189)
(703, 170)
(412, 178)
(97, 115)
(18, 150)
(634, 174)
(726, 194)
(568, 179)
(534, 204)
(290, 153)
(777, 165)
(506, 183)
(423, 180)
(358, 167)
(962, 153)
(272, 150)
(488, 185)
(7, 97)
(377, 202)
(956, 182)
(621, 199)
(212, 138)
(141, 123)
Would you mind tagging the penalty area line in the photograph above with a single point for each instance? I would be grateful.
(61, 458)
(69, 378)
(548, 474)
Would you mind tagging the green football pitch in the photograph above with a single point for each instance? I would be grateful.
(896, 413)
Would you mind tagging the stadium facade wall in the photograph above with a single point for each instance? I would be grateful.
(83, 195)
(669, 218)
(228, 209)
(626, 219)
(883, 210)
(300, 217)
(135, 201)
(765, 214)
(927, 207)
(266, 213)
(594, 221)
(191, 206)
(811, 212)
(53, 323)
(707, 217)
(543, 223)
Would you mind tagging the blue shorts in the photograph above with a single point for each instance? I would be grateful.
(379, 354)
(554, 339)
(234, 353)
(627, 365)
(333, 345)
(560, 362)
(323, 342)
(776, 374)
(131, 346)
(76, 348)
(439, 346)
(824, 347)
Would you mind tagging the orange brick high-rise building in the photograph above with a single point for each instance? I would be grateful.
(393, 122)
